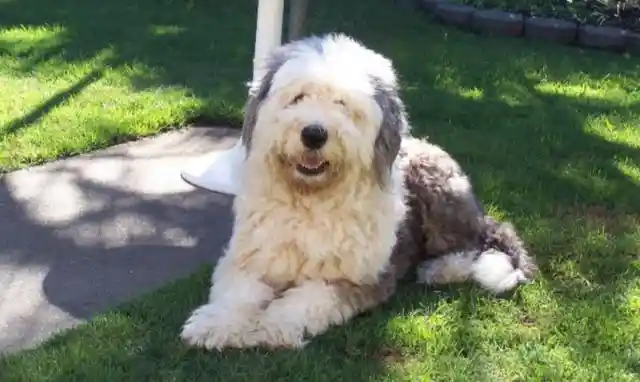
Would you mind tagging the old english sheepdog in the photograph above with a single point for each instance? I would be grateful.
(332, 212)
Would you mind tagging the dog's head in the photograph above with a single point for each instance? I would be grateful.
(327, 109)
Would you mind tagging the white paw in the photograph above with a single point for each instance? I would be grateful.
(209, 327)
(510, 282)
(278, 334)
(494, 271)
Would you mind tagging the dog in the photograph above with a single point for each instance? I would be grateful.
(337, 203)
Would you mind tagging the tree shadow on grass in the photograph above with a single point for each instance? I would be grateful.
(206, 48)
(410, 335)
(564, 188)
(54, 101)
(516, 115)
(456, 334)
(139, 341)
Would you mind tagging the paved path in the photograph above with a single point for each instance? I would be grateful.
(83, 234)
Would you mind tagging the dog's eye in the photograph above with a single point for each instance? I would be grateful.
(340, 102)
(298, 98)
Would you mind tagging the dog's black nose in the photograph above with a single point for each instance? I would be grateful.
(314, 136)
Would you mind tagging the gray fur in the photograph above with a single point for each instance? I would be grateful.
(447, 230)
(256, 96)
(446, 235)
(393, 128)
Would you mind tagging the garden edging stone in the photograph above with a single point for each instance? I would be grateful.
(560, 31)
(454, 14)
(633, 43)
(608, 38)
(550, 29)
(430, 5)
(496, 22)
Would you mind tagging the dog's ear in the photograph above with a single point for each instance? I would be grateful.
(393, 128)
(257, 94)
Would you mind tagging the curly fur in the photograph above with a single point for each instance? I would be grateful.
(311, 251)
(308, 252)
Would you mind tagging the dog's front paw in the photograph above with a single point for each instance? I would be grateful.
(278, 334)
(209, 327)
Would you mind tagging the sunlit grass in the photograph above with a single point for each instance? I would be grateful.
(548, 134)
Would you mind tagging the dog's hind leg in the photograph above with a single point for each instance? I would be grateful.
(492, 269)
(503, 237)
(447, 269)
(459, 240)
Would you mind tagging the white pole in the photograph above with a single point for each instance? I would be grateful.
(268, 33)
(221, 171)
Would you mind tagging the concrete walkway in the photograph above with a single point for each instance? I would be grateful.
(81, 235)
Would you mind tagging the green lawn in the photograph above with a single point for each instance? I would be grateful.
(80, 75)
(550, 136)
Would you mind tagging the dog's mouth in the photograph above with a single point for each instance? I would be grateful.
(310, 171)
(311, 163)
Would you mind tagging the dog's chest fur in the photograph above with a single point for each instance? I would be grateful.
(328, 239)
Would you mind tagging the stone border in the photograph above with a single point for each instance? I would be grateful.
(501, 23)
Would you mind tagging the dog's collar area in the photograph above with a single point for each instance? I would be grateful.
(310, 171)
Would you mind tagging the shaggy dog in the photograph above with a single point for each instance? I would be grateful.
(332, 212)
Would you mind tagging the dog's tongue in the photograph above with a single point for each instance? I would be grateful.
(310, 159)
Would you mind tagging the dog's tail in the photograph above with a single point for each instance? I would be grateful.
(503, 237)
(500, 265)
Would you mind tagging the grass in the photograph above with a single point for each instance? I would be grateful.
(72, 84)
(548, 134)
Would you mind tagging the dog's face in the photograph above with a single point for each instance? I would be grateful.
(317, 134)
(318, 120)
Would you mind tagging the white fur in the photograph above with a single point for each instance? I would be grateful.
(459, 185)
(343, 64)
(309, 309)
(235, 298)
(494, 270)
(341, 227)
(491, 269)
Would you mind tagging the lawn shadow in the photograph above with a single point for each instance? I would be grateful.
(513, 113)
(205, 47)
(561, 164)
(54, 101)
(139, 341)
